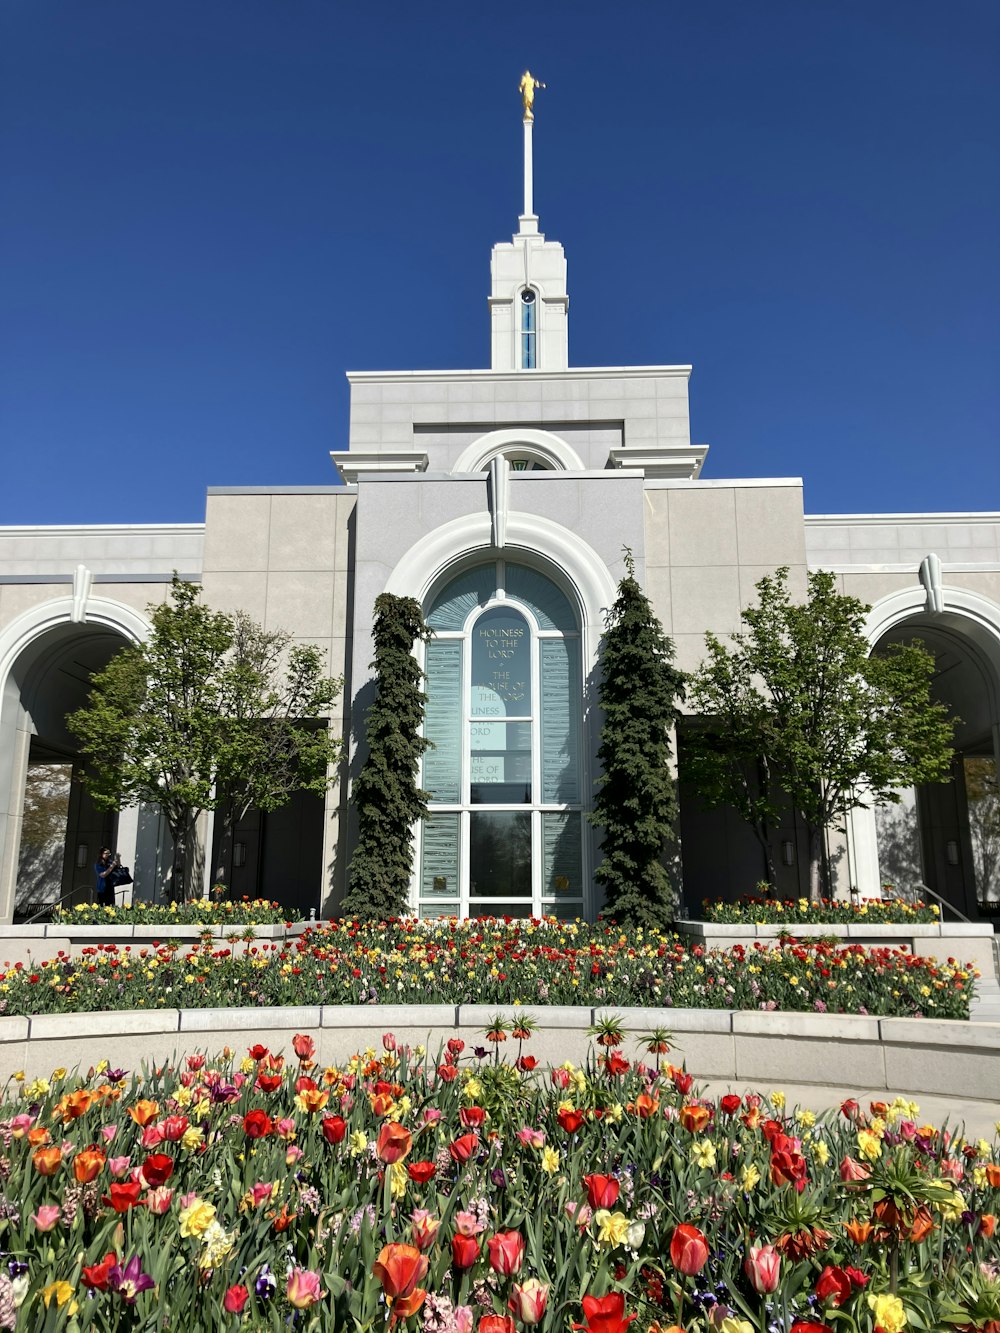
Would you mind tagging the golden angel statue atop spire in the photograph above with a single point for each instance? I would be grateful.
(527, 88)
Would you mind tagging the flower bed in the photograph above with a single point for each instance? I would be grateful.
(456, 1195)
(493, 962)
(754, 910)
(200, 912)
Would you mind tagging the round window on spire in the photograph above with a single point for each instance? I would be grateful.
(528, 330)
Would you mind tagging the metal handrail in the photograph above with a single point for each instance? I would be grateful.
(51, 907)
(925, 888)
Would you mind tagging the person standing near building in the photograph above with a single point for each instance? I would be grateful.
(106, 869)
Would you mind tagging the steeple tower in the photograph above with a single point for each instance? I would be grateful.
(529, 303)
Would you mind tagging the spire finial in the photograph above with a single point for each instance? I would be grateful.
(527, 88)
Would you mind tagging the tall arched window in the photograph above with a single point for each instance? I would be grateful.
(505, 834)
(529, 332)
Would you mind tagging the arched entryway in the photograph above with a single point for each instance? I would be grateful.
(50, 831)
(946, 836)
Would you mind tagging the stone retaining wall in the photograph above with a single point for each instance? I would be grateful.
(25, 944)
(970, 942)
(903, 1054)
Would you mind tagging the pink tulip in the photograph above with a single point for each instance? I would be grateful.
(528, 1300)
(46, 1217)
(852, 1170)
(531, 1138)
(108, 1132)
(763, 1268)
(303, 1288)
(20, 1125)
(388, 1041)
(464, 1319)
(424, 1226)
(158, 1200)
(285, 1128)
(152, 1137)
(467, 1224)
(118, 1166)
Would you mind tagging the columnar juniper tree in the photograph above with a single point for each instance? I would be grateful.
(636, 801)
(212, 712)
(798, 697)
(386, 796)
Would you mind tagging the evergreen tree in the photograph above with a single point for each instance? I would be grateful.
(636, 802)
(386, 796)
(799, 696)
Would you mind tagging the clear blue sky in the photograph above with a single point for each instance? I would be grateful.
(212, 208)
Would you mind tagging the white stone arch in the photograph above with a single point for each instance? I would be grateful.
(541, 446)
(17, 640)
(967, 615)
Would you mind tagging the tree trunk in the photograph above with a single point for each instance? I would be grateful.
(187, 858)
(815, 864)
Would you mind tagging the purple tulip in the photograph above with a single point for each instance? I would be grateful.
(130, 1281)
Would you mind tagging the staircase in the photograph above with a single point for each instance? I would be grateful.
(985, 1008)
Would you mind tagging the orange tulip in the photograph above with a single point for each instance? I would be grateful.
(87, 1165)
(694, 1118)
(860, 1232)
(36, 1137)
(314, 1099)
(394, 1142)
(144, 1111)
(646, 1106)
(399, 1268)
(73, 1105)
(993, 1175)
(46, 1161)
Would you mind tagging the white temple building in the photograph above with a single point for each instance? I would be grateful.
(501, 499)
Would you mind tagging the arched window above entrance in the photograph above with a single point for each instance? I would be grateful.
(505, 834)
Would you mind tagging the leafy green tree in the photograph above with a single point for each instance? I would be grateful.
(386, 796)
(798, 703)
(636, 801)
(212, 712)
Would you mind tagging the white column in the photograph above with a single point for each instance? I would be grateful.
(126, 843)
(862, 852)
(528, 220)
(528, 169)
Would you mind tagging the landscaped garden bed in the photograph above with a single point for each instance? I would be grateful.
(197, 912)
(492, 962)
(761, 910)
(441, 1192)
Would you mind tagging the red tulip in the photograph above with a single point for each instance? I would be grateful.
(235, 1299)
(394, 1142)
(688, 1249)
(157, 1169)
(447, 1073)
(257, 1125)
(605, 1314)
(462, 1149)
(124, 1195)
(97, 1276)
(682, 1081)
(269, 1082)
(421, 1172)
(602, 1191)
(730, 1103)
(834, 1284)
(809, 1326)
(849, 1109)
(763, 1268)
(570, 1121)
(496, 1323)
(333, 1128)
(506, 1252)
(472, 1116)
(173, 1127)
(303, 1046)
(464, 1251)
(399, 1268)
(789, 1168)
(258, 1052)
(455, 1045)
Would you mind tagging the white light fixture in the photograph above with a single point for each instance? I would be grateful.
(951, 852)
(81, 855)
(239, 853)
(788, 852)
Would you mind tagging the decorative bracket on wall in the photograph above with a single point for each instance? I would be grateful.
(498, 494)
(83, 581)
(930, 577)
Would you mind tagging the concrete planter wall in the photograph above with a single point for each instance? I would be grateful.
(903, 1054)
(25, 944)
(966, 943)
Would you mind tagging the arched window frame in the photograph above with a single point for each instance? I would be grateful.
(528, 331)
(543, 901)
